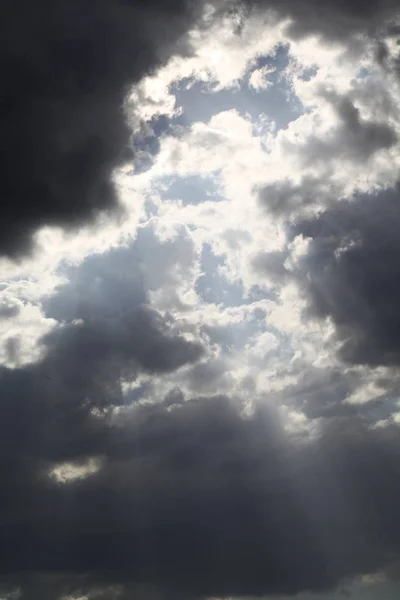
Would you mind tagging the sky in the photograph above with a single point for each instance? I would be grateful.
(200, 300)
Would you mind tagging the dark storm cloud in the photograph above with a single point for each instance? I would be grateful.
(193, 502)
(107, 333)
(350, 274)
(66, 68)
(334, 20)
(191, 499)
(139, 338)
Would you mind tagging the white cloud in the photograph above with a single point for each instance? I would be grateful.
(19, 335)
(259, 78)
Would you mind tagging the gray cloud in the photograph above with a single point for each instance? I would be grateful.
(139, 337)
(334, 20)
(355, 138)
(284, 197)
(325, 393)
(272, 264)
(103, 285)
(386, 57)
(12, 347)
(194, 502)
(107, 328)
(350, 274)
(192, 499)
(66, 68)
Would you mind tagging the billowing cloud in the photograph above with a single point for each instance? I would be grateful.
(200, 401)
(67, 71)
(350, 274)
(192, 499)
(335, 21)
(107, 323)
(347, 272)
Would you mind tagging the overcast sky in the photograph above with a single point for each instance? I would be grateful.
(199, 300)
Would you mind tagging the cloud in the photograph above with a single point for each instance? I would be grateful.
(21, 330)
(193, 499)
(141, 337)
(176, 420)
(8, 309)
(105, 317)
(259, 78)
(285, 197)
(326, 147)
(355, 138)
(333, 21)
(350, 274)
(66, 71)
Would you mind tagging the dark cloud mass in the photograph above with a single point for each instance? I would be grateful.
(192, 500)
(335, 20)
(66, 68)
(177, 498)
(350, 274)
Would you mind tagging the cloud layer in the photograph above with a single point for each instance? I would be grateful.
(194, 499)
(67, 68)
(200, 398)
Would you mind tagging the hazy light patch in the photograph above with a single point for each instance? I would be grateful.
(69, 472)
